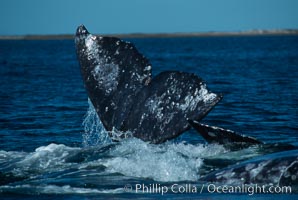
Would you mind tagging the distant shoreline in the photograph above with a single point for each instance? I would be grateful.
(160, 35)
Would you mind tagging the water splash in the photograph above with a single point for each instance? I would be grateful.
(94, 132)
(165, 162)
(118, 136)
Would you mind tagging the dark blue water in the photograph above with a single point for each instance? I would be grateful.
(46, 150)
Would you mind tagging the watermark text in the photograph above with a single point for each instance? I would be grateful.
(211, 188)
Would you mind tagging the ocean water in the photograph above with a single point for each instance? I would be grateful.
(52, 144)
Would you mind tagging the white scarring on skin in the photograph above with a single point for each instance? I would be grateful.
(191, 101)
(105, 73)
(155, 104)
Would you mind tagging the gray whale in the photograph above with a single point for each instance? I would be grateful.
(127, 98)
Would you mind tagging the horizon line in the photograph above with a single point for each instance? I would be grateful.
(253, 32)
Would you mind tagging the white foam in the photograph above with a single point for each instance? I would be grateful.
(165, 162)
(45, 158)
(6, 156)
(130, 157)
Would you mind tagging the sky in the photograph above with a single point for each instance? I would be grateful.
(22, 17)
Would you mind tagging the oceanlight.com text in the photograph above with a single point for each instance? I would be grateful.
(207, 188)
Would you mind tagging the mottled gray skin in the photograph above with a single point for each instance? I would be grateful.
(114, 89)
(126, 97)
(290, 174)
(277, 169)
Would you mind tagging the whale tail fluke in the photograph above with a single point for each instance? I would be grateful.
(127, 97)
